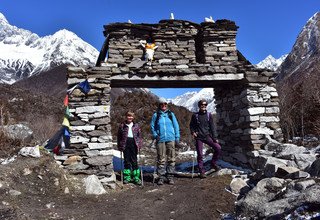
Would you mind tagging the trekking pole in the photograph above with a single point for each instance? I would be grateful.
(141, 173)
(193, 161)
(121, 173)
(154, 172)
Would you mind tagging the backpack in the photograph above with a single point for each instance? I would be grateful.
(197, 117)
(158, 116)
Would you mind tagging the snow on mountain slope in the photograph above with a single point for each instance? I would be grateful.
(190, 100)
(24, 53)
(271, 63)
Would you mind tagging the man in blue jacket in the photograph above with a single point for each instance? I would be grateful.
(165, 130)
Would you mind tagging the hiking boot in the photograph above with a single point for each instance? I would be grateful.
(215, 167)
(160, 181)
(126, 176)
(138, 182)
(136, 176)
(202, 176)
(170, 181)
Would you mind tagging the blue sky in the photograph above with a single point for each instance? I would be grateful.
(265, 27)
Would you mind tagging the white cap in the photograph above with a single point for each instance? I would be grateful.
(162, 100)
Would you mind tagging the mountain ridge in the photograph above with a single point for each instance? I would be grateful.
(305, 54)
(25, 53)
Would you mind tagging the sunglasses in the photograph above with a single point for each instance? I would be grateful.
(163, 104)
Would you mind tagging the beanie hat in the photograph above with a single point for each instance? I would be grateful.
(162, 100)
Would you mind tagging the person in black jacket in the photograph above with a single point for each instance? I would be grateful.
(203, 131)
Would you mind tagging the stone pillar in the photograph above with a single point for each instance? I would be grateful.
(247, 113)
(176, 41)
(219, 43)
(232, 123)
(264, 111)
(91, 138)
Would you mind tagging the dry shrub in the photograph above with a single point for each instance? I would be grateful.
(8, 146)
(300, 106)
(44, 129)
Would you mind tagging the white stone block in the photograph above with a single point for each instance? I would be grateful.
(94, 146)
(161, 61)
(83, 128)
(261, 131)
(272, 110)
(268, 89)
(83, 116)
(256, 110)
(274, 94)
(269, 119)
(98, 115)
(92, 109)
(253, 118)
(183, 66)
(106, 152)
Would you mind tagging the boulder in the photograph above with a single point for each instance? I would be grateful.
(93, 186)
(274, 198)
(18, 132)
(314, 169)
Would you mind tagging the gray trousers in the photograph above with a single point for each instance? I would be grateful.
(166, 151)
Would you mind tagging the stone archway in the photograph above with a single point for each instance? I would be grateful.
(188, 55)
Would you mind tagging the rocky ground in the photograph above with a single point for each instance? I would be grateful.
(37, 188)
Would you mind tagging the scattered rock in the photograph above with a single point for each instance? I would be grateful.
(93, 185)
(30, 151)
(14, 192)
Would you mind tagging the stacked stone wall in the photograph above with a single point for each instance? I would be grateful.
(246, 114)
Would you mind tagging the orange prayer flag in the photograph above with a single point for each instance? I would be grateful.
(66, 101)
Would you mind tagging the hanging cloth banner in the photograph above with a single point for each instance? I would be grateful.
(84, 86)
(67, 113)
(66, 123)
(66, 101)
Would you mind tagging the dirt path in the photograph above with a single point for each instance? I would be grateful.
(187, 199)
(41, 198)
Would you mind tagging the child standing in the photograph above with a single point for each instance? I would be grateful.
(130, 142)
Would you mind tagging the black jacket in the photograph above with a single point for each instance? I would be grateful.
(202, 124)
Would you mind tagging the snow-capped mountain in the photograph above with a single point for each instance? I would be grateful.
(271, 63)
(24, 53)
(304, 57)
(190, 100)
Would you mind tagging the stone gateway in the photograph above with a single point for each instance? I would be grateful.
(187, 55)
